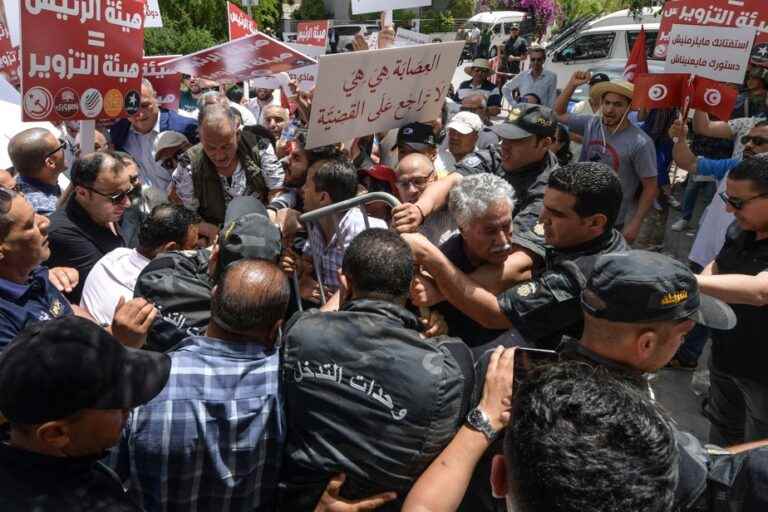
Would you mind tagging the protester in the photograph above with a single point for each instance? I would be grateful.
(343, 387)
(478, 105)
(8, 179)
(613, 140)
(420, 138)
(535, 80)
(143, 197)
(170, 151)
(167, 228)
(66, 388)
(562, 146)
(261, 100)
(479, 84)
(38, 158)
(276, 119)
(463, 136)
(515, 51)
(196, 87)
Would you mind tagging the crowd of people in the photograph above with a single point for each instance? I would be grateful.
(206, 314)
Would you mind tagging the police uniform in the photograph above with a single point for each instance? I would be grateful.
(36, 300)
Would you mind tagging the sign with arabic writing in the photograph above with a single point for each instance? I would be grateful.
(360, 93)
(152, 16)
(313, 33)
(81, 60)
(167, 83)
(239, 23)
(716, 13)
(249, 57)
(366, 6)
(718, 53)
(9, 56)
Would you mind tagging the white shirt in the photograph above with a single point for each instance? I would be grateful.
(249, 119)
(113, 276)
(141, 147)
(256, 106)
(545, 87)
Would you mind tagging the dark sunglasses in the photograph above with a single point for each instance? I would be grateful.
(63, 145)
(6, 198)
(756, 140)
(116, 198)
(738, 203)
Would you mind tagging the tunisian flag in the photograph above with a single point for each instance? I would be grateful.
(713, 97)
(659, 90)
(637, 62)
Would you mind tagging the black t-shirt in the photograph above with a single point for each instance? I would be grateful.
(743, 350)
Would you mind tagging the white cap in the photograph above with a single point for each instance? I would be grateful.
(465, 123)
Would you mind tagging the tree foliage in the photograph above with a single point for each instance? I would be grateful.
(311, 10)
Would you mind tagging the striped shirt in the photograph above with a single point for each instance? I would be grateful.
(212, 440)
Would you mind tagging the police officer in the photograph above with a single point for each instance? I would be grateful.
(523, 159)
(580, 207)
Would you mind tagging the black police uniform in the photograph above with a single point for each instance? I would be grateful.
(516, 47)
(549, 305)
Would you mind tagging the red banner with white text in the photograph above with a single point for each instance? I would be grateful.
(166, 82)
(313, 33)
(239, 23)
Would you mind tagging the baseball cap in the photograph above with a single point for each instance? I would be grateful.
(54, 369)
(526, 120)
(417, 135)
(642, 286)
(248, 233)
(167, 143)
(465, 123)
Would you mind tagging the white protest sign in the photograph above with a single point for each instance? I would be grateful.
(306, 76)
(360, 93)
(717, 53)
(405, 37)
(366, 6)
(13, 20)
(152, 16)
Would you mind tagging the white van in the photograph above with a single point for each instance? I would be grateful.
(605, 42)
(500, 22)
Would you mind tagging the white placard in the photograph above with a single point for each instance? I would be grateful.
(405, 37)
(360, 93)
(718, 53)
(366, 6)
(306, 77)
(13, 19)
(152, 16)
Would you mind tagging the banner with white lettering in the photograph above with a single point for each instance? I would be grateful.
(405, 37)
(360, 93)
(167, 83)
(313, 33)
(81, 60)
(241, 59)
(366, 6)
(717, 53)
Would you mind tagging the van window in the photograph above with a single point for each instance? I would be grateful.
(650, 41)
(497, 28)
(507, 28)
(589, 47)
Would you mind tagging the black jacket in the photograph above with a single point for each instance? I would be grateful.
(367, 396)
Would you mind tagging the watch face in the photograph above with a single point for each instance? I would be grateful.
(476, 417)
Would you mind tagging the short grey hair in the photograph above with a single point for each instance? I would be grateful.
(148, 85)
(474, 194)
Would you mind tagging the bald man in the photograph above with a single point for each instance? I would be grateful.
(38, 158)
(477, 105)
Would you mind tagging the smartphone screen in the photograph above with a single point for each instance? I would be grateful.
(527, 359)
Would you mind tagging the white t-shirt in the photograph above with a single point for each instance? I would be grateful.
(113, 276)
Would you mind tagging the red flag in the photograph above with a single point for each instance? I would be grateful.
(659, 90)
(713, 97)
(637, 62)
(494, 63)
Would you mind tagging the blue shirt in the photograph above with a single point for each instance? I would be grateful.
(36, 300)
(42, 196)
(717, 168)
(212, 440)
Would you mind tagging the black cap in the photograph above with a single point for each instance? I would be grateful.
(597, 78)
(526, 120)
(54, 369)
(642, 286)
(417, 135)
(248, 233)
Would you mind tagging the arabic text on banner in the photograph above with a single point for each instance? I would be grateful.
(167, 83)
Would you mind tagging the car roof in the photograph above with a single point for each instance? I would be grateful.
(497, 16)
(649, 27)
(624, 13)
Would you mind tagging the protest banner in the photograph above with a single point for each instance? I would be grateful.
(12, 20)
(360, 93)
(306, 76)
(366, 6)
(313, 33)
(713, 52)
(88, 66)
(405, 37)
(9, 56)
(239, 23)
(716, 13)
(248, 57)
(167, 83)
(152, 16)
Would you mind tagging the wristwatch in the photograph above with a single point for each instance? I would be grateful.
(478, 420)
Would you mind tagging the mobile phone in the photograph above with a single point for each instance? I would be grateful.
(527, 359)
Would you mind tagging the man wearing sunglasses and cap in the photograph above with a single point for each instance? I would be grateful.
(480, 70)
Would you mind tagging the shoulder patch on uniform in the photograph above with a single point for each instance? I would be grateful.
(472, 161)
(539, 229)
(526, 289)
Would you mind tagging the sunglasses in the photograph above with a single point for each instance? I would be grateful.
(754, 139)
(63, 145)
(738, 203)
(116, 198)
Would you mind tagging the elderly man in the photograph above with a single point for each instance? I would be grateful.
(86, 227)
(136, 135)
(463, 134)
(479, 84)
(536, 80)
(38, 158)
(261, 100)
(276, 119)
(478, 105)
(226, 164)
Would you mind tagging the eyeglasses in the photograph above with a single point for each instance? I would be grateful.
(419, 182)
(6, 198)
(755, 139)
(736, 202)
(115, 198)
(63, 145)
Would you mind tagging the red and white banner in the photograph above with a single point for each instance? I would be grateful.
(9, 57)
(249, 57)
(166, 82)
(239, 23)
(659, 90)
(713, 97)
(718, 13)
(313, 33)
(637, 62)
(718, 53)
(80, 61)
